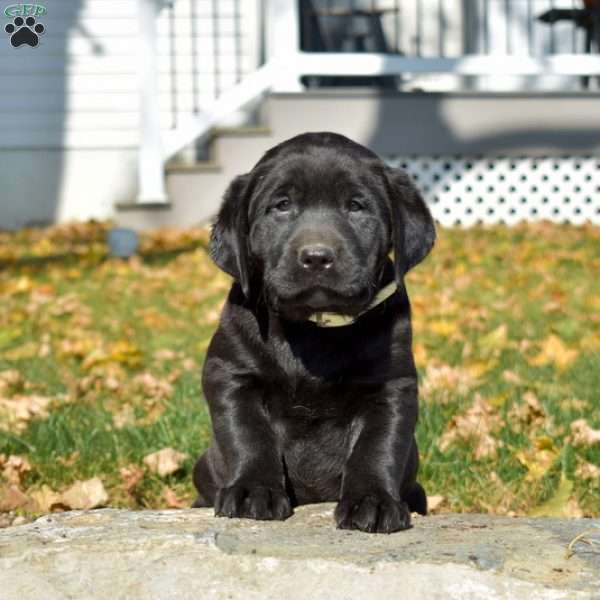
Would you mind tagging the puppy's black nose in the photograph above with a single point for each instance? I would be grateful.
(316, 258)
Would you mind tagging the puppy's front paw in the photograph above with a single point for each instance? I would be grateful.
(373, 513)
(252, 502)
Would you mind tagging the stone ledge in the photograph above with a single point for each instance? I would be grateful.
(117, 554)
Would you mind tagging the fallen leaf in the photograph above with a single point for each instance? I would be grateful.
(511, 377)
(131, 476)
(443, 328)
(434, 502)
(20, 409)
(164, 355)
(12, 498)
(477, 424)
(172, 500)
(446, 382)
(165, 461)
(123, 352)
(85, 494)
(14, 468)
(211, 317)
(586, 470)
(527, 413)
(554, 351)
(537, 461)
(583, 435)
(10, 380)
(47, 499)
(125, 417)
(189, 364)
(153, 387)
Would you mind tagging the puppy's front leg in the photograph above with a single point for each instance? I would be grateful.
(253, 482)
(375, 472)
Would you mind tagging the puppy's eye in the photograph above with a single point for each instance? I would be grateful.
(355, 205)
(284, 205)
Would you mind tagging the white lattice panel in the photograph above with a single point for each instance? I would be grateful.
(463, 190)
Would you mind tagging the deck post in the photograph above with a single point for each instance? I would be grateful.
(151, 183)
(283, 42)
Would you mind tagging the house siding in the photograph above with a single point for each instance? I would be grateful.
(69, 108)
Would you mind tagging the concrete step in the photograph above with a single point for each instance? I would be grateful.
(195, 190)
(192, 554)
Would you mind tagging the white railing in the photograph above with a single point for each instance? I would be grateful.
(282, 72)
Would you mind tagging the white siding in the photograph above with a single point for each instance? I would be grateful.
(79, 87)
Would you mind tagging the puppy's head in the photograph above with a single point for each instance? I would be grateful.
(311, 225)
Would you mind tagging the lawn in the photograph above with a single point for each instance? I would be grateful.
(100, 364)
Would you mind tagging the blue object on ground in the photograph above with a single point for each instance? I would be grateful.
(122, 242)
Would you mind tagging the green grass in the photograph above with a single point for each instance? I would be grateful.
(81, 331)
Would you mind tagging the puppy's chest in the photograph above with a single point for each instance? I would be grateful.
(305, 400)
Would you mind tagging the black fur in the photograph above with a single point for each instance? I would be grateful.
(300, 413)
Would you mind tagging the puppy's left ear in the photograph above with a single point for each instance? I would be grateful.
(228, 245)
(413, 231)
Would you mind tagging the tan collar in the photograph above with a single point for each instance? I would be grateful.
(330, 319)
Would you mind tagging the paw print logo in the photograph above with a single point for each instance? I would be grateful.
(24, 31)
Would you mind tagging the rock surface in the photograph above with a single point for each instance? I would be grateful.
(117, 554)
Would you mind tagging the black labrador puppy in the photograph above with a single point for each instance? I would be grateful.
(310, 378)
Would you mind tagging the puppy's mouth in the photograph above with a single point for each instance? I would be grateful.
(302, 304)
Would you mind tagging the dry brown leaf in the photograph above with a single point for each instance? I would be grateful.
(586, 470)
(477, 424)
(14, 468)
(446, 382)
(434, 503)
(131, 476)
(527, 413)
(511, 377)
(211, 317)
(85, 494)
(554, 351)
(12, 498)
(47, 499)
(165, 461)
(19, 409)
(125, 417)
(10, 380)
(164, 354)
(172, 500)
(78, 347)
(154, 411)
(583, 435)
(189, 364)
(153, 387)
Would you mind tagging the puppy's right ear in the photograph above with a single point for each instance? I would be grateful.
(228, 245)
